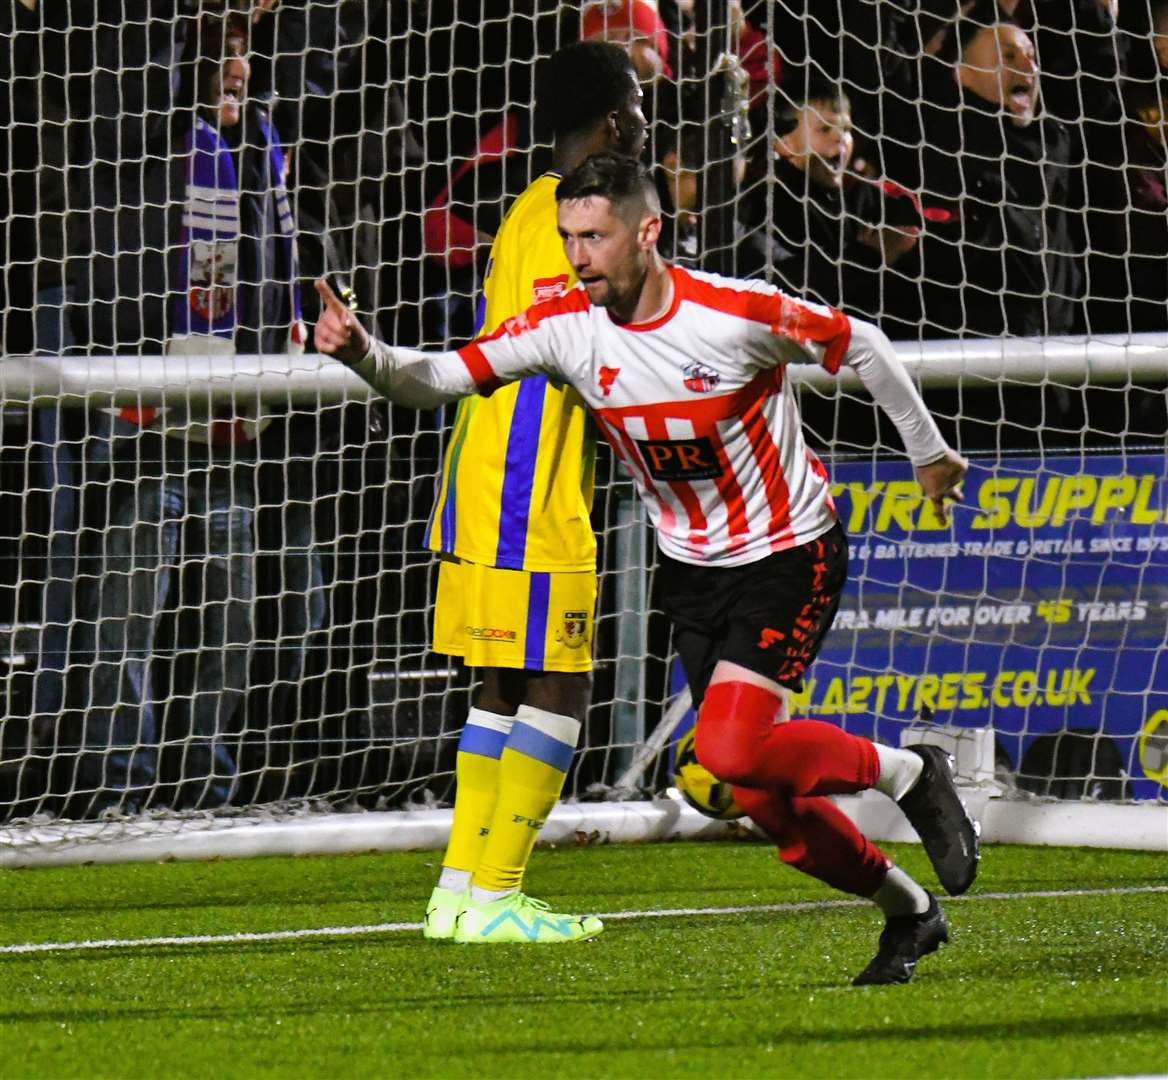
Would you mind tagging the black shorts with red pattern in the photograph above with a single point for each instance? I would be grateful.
(769, 616)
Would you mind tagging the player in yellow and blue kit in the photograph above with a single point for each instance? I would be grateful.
(517, 583)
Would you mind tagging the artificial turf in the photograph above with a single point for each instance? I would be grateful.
(1049, 986)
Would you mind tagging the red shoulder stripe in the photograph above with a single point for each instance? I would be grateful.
(574, 300)
(783, 314)
(745, 303)
(480, 369)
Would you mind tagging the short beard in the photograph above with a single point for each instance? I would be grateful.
(607, 297)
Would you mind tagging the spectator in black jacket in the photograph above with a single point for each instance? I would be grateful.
(832, 235)
(1144, 282)
(1082, 58)
(999, 255)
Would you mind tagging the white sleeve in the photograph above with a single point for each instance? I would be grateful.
(425, 380)
(418, 380)
(871, 355)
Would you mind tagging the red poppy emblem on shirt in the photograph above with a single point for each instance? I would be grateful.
(607, 378)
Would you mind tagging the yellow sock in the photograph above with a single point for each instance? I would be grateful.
(532, 770)
(477, 775)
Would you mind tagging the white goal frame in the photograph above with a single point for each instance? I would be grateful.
(1114, 360)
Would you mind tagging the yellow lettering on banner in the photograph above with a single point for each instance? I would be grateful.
(926, 695)
(928, 519)
(1114, 492)
(904, 685)
(1141, 513)
(833, 700)
(950, 681)
(861, 497)
(901, 498)
(1025, 513)
(1005, 499)
(1059, 696)
(1057, 502)
(971, 685)
(1055, 611)
(951, 691)
(997, 694)
(801, 702)
(1026, 688)
(1080, 683)
(991, 498)
(1076, 493)
(883, 684)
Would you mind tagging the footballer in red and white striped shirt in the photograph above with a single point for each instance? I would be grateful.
(685, 373)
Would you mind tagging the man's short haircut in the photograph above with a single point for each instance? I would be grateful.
(982, 16)
(792, 99)
(621, 179)
(580, 84)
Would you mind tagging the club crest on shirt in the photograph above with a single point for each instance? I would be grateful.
(574, 631)
(607, 378)
(699, 378)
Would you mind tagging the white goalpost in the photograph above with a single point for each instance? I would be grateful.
(215, 597)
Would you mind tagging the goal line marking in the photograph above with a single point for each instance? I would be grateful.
(665, 913)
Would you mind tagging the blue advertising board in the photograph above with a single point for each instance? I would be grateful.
(1042, 607)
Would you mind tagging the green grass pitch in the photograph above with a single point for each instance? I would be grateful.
(1040, 986)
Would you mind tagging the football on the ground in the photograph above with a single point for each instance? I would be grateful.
(698, 786)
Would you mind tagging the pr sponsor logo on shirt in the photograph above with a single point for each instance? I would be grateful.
(490, 633)
(680, 459)
(700, 379)
(548, 288)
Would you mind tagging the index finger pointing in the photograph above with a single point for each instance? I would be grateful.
(330, 298)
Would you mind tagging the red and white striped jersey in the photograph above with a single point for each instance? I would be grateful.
(696, 405)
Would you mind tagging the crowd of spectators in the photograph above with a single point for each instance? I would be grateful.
(947, 169)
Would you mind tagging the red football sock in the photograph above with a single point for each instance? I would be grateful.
(815, 836)
(738, 740)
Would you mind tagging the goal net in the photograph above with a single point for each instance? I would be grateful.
(216, 593)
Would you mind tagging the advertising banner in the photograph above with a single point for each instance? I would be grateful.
(1042, 608)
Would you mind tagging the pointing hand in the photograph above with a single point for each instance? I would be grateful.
(338, 331)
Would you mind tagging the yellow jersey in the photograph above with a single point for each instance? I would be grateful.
(520, 465)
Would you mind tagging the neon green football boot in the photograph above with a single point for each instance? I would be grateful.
(442, 913)
(519, 919)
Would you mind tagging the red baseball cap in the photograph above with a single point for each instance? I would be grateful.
(636, 15)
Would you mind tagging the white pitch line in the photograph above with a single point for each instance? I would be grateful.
(819, 905)
(666, 913)
(211, 939)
